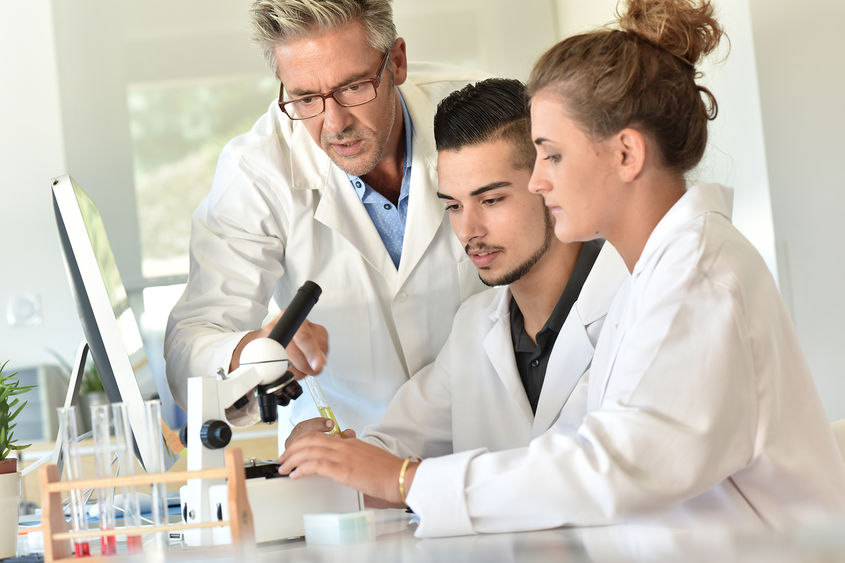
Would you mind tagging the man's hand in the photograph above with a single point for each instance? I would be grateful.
(306, 351)
(348, 461)
(314, 425)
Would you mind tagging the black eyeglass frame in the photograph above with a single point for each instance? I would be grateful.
(375, 81)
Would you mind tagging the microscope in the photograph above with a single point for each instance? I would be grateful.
(277, 502)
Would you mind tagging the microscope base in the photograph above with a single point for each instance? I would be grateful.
(279, 504)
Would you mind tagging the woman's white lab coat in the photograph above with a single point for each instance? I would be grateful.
(472, 395)
(280, 213)
(700, 407)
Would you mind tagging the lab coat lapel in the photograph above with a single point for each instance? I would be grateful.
(498, 346)
(425, 211)
(339, 207)
(569, 359)
(575, 345)
(607, 347)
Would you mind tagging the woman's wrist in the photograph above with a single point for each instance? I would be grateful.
(406, 476)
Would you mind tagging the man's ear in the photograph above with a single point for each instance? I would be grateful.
(399, 59)
(630, 146)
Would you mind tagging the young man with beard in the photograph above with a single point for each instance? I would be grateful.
(513, 365)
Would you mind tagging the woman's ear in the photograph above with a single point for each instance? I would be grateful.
(630, 147)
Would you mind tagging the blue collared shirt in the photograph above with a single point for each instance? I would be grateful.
(388, 218)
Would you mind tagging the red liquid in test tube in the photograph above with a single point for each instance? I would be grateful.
(108, 545)
(135, 543)
(81, 549)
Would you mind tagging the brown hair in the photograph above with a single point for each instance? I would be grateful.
(641, 75)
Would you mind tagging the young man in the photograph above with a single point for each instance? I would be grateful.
(512, 367)
(335, 184)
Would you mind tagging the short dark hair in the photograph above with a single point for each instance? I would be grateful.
(489, 110)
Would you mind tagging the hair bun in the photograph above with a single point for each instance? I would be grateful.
(685, 28)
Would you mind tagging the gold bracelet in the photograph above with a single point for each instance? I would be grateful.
(405, 463)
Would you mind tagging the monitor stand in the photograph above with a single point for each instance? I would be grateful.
(76, 373)
(72, 397)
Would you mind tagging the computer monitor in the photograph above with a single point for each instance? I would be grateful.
(108, 322)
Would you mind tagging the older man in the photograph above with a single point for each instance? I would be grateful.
(336, 183)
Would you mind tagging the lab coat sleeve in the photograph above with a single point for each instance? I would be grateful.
(235, 259)
(418, 420)
(676, 417)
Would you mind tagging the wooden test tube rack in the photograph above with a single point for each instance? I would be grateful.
(55, 527)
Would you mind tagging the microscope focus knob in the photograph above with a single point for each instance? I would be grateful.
(215, 434)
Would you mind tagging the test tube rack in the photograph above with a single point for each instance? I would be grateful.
(57, 546)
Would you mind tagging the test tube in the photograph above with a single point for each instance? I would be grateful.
(126, 466)
(101, 426)
(155, 464)
(73, 468)
(320, 401)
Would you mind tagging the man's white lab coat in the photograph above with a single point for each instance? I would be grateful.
(472, 395)
(700, 407)
(280, 213)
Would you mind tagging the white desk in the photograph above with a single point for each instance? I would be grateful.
(395, 542)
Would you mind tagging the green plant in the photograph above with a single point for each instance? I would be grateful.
(91, 382)
(10, 387)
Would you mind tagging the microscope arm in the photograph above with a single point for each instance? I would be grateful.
(262, 372)
(263, 363)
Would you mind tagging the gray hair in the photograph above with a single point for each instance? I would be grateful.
(277, 21)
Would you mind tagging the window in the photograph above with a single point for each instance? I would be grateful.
(178, 129)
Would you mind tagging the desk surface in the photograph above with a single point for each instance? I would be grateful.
(395, 542)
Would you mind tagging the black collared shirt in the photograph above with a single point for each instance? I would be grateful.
(531, 359)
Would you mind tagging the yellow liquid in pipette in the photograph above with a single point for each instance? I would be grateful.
(326, 412)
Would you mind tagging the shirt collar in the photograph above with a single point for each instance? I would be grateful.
(583, 265)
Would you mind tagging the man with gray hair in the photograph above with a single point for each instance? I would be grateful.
(336, 183)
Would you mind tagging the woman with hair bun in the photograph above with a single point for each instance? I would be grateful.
(700, 405)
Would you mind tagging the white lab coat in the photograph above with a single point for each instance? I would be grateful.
(700, 407)
(280, 213)
(472, 395)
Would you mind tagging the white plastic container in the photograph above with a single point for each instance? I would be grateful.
(339, 528)
(10, 498)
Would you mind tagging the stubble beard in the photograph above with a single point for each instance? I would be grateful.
(522, 269)
(353, 166)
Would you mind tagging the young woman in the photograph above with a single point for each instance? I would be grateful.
(700, 401)
(699, 407)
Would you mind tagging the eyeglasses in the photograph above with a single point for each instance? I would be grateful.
(350, 95)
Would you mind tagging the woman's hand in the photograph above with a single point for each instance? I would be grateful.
(348, 461)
